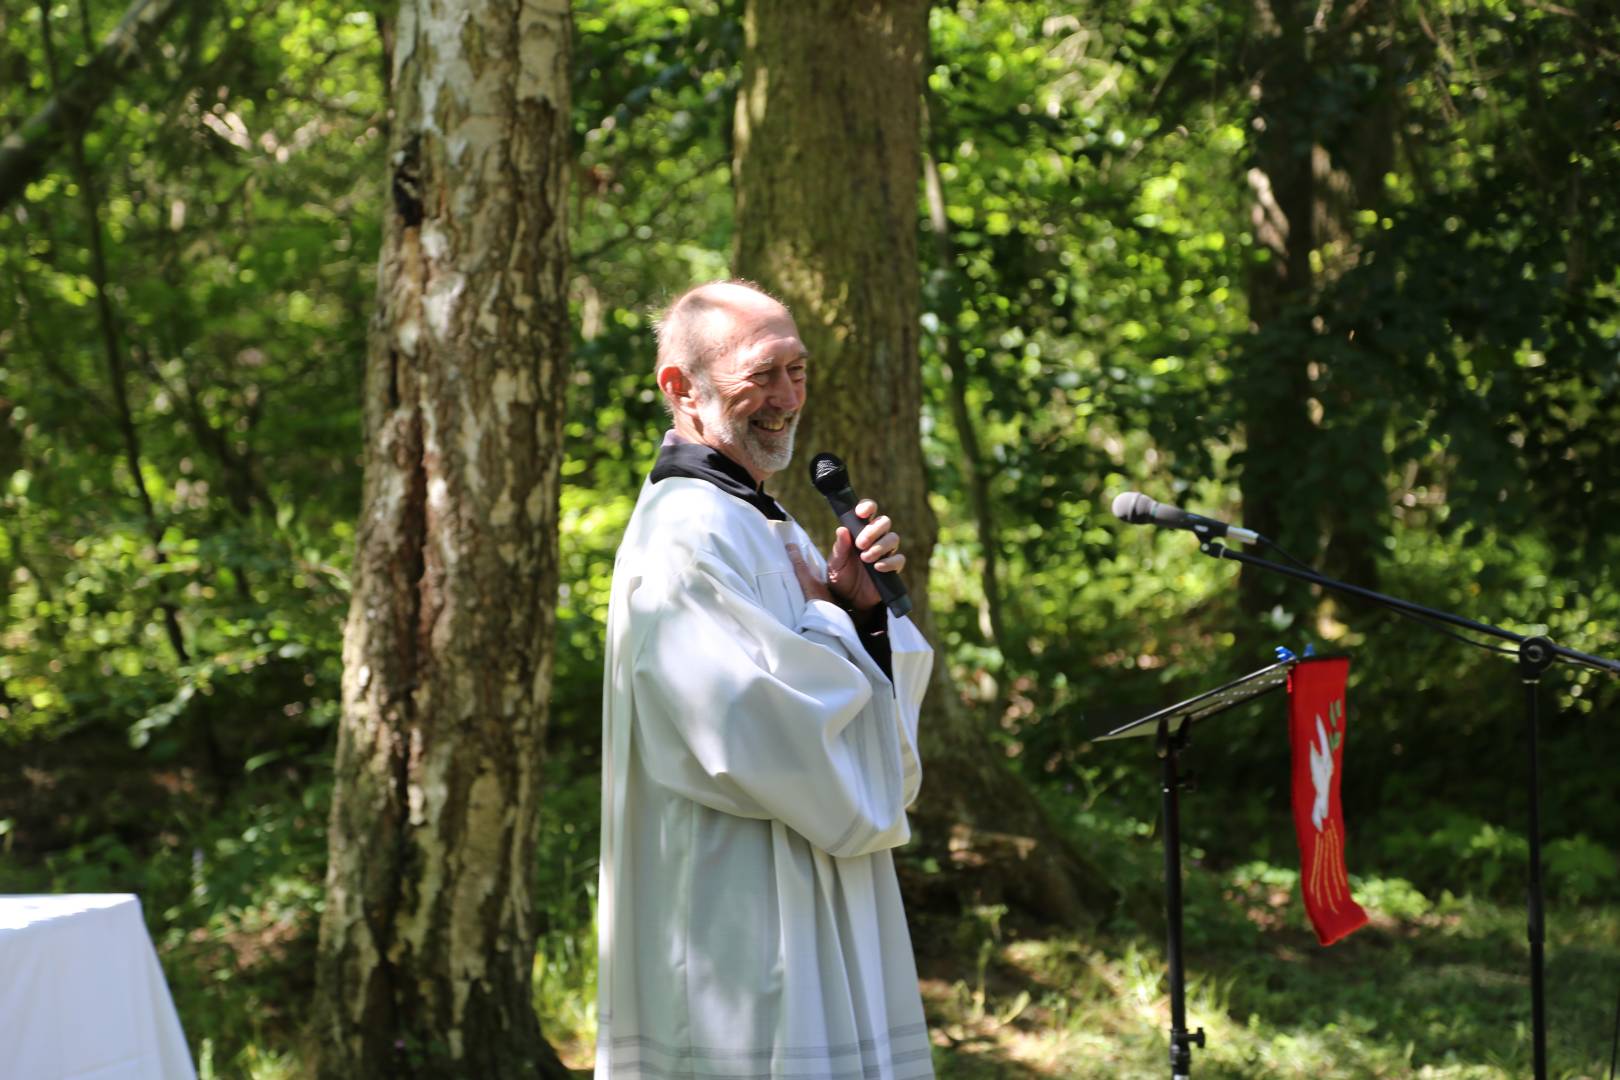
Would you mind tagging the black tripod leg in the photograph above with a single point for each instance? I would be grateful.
(1535, 655)
(1181, 1041)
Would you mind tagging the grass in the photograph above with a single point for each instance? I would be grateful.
(1436, 987)
(1431, 990)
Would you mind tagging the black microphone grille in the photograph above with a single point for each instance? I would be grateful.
(828, 474)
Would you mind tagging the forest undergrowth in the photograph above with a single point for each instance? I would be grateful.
(1436, 986)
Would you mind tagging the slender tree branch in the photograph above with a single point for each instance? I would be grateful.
(109, 336)
(244, 485)
(582, 259)
(25, 151)
(59, 373)
(978, 483)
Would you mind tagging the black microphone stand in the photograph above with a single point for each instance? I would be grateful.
(1171, 729)
(1168, 748)
(1536, 655)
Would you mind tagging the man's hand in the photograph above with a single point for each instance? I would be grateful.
(878, 545)
(814, 588)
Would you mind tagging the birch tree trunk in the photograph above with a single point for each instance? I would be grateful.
(828, 165)
(427, 942)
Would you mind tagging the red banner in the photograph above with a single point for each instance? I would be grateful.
(1316, 729)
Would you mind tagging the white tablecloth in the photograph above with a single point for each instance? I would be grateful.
(81, 994)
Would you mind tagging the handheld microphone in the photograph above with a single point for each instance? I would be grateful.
(831, 478)
(1134, 508)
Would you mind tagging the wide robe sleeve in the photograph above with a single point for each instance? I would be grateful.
(748, 716)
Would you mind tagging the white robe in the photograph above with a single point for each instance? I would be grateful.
(756, 769)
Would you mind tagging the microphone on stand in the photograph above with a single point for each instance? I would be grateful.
(831, 478)
(1134, 508)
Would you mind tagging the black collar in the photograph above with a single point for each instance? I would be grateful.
(699, 462)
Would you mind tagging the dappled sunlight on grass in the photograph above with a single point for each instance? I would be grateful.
(1435, 990)
(1435, 987)
(565, 996)
(255, 1061)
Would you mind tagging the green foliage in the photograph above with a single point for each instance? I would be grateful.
(654, 89)
(1460, 853)
(1090, 324)
(235, 184)
(237, 194)
(564, 889)
(1581, 869)
(231, 894)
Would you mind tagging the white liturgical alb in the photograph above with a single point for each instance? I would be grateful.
(757, 764)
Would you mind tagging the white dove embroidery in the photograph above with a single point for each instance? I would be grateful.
(1321, 774)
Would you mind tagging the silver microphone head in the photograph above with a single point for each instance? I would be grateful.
(1133, 508)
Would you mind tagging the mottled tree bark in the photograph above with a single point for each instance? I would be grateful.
(427, 943)
(828, 164)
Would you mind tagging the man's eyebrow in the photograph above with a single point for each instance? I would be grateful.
(768, 364)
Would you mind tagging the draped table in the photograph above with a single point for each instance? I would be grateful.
(81, 994)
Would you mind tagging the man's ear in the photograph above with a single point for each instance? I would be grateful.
(677, 388)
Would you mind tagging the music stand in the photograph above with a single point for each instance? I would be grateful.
(1171, 729)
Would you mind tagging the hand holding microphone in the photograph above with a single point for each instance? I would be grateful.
(865, 540)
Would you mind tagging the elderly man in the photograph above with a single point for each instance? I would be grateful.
(759, 745)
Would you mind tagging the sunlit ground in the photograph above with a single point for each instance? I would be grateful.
(1430, 990)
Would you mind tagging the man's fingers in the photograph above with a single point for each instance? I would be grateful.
(893, 564)
(883, 545)
(865, 508)
(873, 530)
(813, 585)
(800, 568)
(810, 582)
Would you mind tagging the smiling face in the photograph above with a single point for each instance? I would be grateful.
(745, 401)
(756, 390)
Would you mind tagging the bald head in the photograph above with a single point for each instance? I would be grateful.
(705, 322)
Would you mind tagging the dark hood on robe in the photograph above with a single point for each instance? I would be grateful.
(699, 462)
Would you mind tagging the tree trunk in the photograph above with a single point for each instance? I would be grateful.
(1351, 179)
(1274, 382)
(1308, 426)
(427, 943)
(828, 163)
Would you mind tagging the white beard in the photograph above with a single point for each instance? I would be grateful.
(762, 450)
